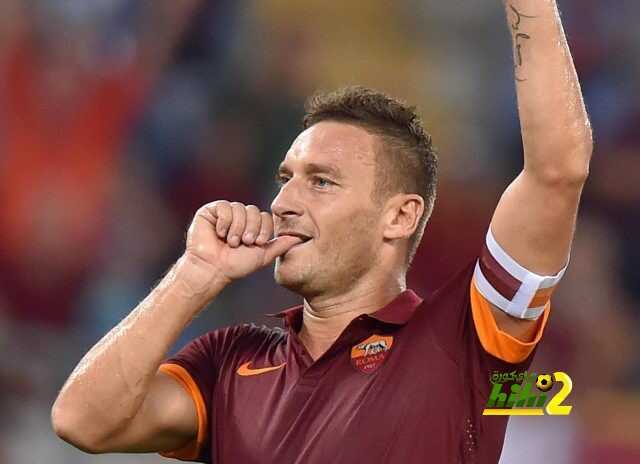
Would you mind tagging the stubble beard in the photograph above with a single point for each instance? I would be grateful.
(293, 276)
(331, 269)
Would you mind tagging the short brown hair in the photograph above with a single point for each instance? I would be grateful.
(409, 162)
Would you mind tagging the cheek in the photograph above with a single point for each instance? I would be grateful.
(353, 233)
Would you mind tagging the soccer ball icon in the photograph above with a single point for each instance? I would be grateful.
(544, 382)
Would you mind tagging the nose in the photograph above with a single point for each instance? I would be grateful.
(287, 203)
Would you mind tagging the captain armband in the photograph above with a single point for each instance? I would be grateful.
(509, 286)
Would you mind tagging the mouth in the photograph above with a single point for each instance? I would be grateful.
(305, 238)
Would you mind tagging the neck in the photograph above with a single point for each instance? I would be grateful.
(325, 317)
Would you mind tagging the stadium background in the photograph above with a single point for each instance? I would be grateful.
(118, 118)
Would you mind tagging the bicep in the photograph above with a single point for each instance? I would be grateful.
(535, 220)
(167, 420)
(533, 225)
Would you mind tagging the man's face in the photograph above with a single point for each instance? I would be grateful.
(327, 179)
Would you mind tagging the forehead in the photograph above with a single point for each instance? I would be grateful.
(344, 146)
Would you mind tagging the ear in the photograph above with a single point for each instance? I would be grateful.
(402, 215)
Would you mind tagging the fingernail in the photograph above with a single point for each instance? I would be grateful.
(234, 240)
(248, 237)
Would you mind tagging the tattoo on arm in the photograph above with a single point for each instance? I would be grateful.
(518, 39)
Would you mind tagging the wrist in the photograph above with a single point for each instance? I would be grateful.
(197, 279)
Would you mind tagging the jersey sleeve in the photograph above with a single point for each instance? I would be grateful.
(195, 367)
(467, 329)
(500, 282)
(496, 342)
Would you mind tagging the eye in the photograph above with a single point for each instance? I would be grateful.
(322, 182)
(281, 179)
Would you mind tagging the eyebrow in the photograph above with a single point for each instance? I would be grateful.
(315, 168)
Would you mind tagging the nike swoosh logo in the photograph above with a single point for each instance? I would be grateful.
(245, 370)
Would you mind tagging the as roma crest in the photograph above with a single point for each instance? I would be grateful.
(368, 355)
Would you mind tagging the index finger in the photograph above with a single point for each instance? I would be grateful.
(221, 210)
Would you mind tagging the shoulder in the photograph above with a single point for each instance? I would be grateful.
(444, 317)
(244, 336)
(456, 288)
(252, 334)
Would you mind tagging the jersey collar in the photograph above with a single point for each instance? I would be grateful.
(398, 311)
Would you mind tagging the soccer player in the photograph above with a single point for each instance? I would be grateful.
(364, 370)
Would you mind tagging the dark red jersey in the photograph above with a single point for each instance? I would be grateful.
(406, 384)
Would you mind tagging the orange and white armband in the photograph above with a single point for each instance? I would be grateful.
(509, 286)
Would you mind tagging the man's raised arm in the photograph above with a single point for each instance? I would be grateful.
(534, 222)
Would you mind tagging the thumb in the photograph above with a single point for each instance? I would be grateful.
(279, 246)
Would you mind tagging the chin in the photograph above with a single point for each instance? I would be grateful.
(290, 277)
(285, 277)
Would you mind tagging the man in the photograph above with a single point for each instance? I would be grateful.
(366, 370)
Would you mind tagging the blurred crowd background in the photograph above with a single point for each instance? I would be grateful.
(119, 118)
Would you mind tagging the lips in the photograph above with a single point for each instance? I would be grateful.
(305, 238)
